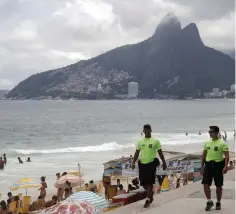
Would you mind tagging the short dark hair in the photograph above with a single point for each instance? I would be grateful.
(147, 126)
(215, 128)
(54, 197)
(9, 194)
(40, 197)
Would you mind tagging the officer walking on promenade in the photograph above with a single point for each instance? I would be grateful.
(148, 162)
(214, 164)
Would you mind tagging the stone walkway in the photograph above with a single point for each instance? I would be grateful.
(189, 199)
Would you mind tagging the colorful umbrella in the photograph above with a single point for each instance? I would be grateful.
(25, 183)
(72, 179)
(98, 201)
(76, 173)
(71, 207)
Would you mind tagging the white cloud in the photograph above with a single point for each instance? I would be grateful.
(46, 34)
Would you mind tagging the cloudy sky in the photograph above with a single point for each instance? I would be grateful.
(37, 35)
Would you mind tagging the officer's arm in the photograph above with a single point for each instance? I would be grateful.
(204, 153)
(160, 153)
(226, 158)
(136, 154)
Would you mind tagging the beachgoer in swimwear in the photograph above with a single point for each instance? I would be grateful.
(86, 188)
(20, 161)
(130, 188)
(10, 198)
(58, 175)
(106, 182)
(43, 192)
(3, 208)
(92, 187)
(38, 204)
(28, 159)
(121, 190)
(52, 202)
(199, 133)
(1, 163)
(231, 165)
(5, 158)
(135, 183)
(225, 138)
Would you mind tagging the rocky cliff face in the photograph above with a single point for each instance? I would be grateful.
(172, 61)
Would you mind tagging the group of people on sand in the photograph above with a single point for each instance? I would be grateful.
(4, 208)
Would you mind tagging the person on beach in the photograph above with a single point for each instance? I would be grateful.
(148, 161)
(1, 163)
(43, 192)
(130, 188)
(20, 161)
(5, 158)
(10, 198)
(199, 133)
(92, 187)
(58, 175)
(231, 165)
(28, 159)
(38, 204)
(121, 190)
(214, 165)
(52, 202)
(3, 208)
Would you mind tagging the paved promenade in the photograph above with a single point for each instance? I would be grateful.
(189, 199)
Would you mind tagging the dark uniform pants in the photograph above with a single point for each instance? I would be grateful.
(213, 170)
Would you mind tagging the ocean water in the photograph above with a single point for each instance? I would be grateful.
(57, 135)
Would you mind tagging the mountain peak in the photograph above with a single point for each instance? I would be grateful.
(192, 34)
(169, 26)
(170, 18)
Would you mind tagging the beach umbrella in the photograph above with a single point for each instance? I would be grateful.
(25, 183)
(72, 179)
(91, 197)
(71, 207)
(76, 173)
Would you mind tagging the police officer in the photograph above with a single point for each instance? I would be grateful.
(215, 159)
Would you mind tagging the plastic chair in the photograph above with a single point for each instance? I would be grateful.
(19, 207)
(12, 207)
(26, 208)
(27, 200)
